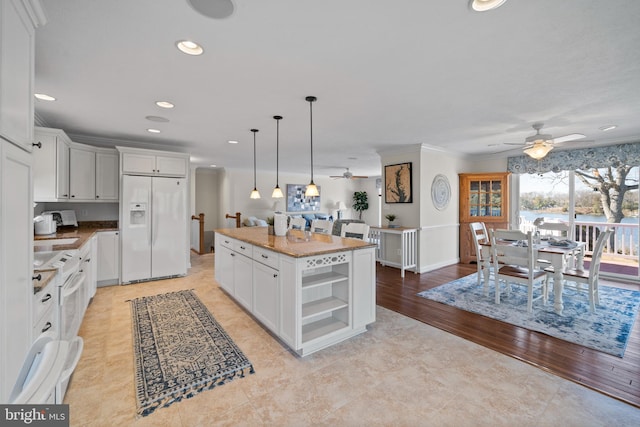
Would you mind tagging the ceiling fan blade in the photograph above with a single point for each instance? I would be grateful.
(336, 176)
(519, 144)
(359, 176)
(567, 138)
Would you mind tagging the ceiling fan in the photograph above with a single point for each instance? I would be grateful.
(537, 146)
(347, 175)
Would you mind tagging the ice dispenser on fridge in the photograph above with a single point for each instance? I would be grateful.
(138, 213)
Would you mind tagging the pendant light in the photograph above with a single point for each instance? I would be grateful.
(312, 190)
(277, 192)
(255, 194)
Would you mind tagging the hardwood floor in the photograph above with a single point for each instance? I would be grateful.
(613, 376)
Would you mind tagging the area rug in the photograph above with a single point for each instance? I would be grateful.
(180, 350)
(606, 330)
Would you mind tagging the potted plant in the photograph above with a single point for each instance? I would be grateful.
(390, 218)
(360, 202)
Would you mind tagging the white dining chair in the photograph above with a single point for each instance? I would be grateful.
(587, 280)
(355, 230)
(297, 224)
(321, 226)
(479, 235)
(514, 262)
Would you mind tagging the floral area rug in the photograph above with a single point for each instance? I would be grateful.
(180, 350)
(606, 330)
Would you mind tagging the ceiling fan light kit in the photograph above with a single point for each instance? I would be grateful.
(485, 5)
(539, 150)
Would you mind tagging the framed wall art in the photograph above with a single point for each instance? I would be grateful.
(398, 187)
(297, 202)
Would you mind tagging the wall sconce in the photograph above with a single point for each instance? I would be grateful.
(277, 192)
(312, 190)
(255, 194)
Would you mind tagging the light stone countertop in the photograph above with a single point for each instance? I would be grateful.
(317, 245)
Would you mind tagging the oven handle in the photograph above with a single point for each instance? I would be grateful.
(76, 281)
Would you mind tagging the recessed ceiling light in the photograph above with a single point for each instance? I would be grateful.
(608, 127)
(484, 5)
(44, 97)
(157, 119)
(189, 47)
(232, 142)
(213, 166)
(164, 104)
(153, 130)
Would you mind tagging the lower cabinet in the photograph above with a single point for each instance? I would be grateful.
(108, 255)
(243, 280)
(266, 295)
(224, 268)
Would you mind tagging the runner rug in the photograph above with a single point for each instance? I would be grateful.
(180, 350)
(606, 330)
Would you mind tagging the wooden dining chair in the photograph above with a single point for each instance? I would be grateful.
(321, 226)
(587, 280)
(297, 224)
(479, 235)
(355, 230)
(514, 262)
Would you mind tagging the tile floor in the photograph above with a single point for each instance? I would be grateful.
(400, 373)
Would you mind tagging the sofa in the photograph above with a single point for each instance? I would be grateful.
(311, 216)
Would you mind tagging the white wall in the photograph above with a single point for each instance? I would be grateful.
(235, 185)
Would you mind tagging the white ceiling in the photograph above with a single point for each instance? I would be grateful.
(387, 74)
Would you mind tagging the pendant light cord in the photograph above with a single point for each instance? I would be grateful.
(254, 157)
(277, 151)
(311, 99)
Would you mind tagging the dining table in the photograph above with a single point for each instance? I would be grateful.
(558, 256)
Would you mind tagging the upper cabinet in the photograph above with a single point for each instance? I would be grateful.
(107, 175)
(51, 165)
(67, 171)
(151, 162)
(18, 20)
(82, 173)
(484, 198)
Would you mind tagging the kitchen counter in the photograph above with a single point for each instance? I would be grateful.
(317, 245)
(83, 233)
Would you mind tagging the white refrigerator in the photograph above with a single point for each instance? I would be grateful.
(154, 227)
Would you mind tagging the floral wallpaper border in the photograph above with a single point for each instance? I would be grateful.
(585, 158)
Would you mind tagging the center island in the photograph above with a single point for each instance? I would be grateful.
(312, 290)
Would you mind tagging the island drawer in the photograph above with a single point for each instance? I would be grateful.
(243, 248)
(266, 257)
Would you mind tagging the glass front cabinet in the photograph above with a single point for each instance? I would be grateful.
(483, 198)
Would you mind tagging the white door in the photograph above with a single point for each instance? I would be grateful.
(136, 228)
(169, 227)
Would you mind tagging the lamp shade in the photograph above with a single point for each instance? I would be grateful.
(340, 206)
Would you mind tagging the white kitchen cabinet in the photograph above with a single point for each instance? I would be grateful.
(88, 267)
(243, 280)
(224, 268)
(82, 173)
(16, 262)
(266, 295)
(107, 176)
(18, 20)
(108, 256)
(51, 165)
(152, 162)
